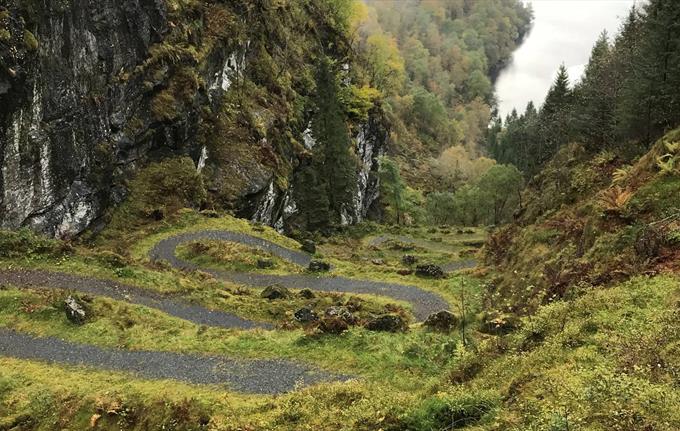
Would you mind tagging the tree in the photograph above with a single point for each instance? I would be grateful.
(595, 98)
(325, 184)
(392, 187)
(329, 127)
(384, 63)
(555, 117)
(500, 187)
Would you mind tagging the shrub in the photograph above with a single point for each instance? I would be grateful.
(24, 243)
(448, 412)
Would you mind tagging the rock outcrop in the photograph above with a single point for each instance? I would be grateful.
(90, 92)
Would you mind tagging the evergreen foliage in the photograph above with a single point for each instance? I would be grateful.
(326, 184)
(630, 92)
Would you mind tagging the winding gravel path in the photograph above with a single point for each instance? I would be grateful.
(262, 376)
(423, 302)
(253, 376)
(173, 306)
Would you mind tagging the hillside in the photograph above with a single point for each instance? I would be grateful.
(264, 215)
(257, 94)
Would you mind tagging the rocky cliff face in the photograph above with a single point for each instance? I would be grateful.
(92, 91)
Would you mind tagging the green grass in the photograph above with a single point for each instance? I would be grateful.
(394, 370)
(233, 257)
(607, 359)
(117, 324)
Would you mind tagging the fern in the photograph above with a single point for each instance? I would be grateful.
(615, 199)
(666, 164)
(672, 147)
(621, 175)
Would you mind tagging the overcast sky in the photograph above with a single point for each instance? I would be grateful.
(564, 31)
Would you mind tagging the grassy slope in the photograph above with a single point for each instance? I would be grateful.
(586, 357)
(395, 369)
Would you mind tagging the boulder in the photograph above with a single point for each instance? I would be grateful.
(275, 291)
(306, 293)
(308, 246)
(306, 315)
(409, 259)
(333, 325)
(429, 270)
(265, 263)
(76, 311)
(387, 323)
(441, 321)
(319, 266)
(340, 312)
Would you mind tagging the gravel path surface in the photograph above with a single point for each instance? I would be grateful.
(424, 302)
(260, 376)
(108, 288)
(255, 376)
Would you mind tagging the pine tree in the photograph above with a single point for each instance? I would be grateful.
(595, 98)
(555, 117)
(338, 163)
(325, 187)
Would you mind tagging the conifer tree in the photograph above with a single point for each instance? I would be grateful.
(327, 183)
(555, 117)
(595, 98)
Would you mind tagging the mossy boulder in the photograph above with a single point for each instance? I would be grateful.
(319, 266)
(306, 315)
(387, 323)
(308, 246)
(430, 271)
(77, 310)
(306, 294)
(443, 321)
(275, 291)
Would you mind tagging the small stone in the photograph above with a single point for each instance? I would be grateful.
(319, 266)
(265, 263)
(430, 271)
(75, 311)
(275, 291)
(306, 315)
(387, 323)
(405, 271)
(409, 259)
(378, 261)
(306, 293)
(308, 246)
(441, 321)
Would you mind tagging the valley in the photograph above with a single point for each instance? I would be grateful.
(330, 215)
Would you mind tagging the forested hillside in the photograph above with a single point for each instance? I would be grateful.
(258, 94)
(627, 98)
